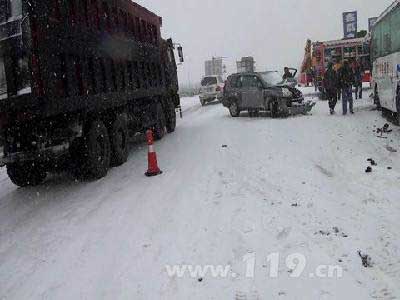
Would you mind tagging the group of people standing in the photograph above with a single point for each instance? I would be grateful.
(338, 83)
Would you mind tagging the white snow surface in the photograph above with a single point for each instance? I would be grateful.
(111, 239)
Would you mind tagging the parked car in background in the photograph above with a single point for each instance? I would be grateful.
(265, 91)
(212, 88)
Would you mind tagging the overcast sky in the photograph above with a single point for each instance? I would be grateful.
(273, 31)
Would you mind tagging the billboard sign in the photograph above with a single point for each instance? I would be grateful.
(371, 23)
(350, 24)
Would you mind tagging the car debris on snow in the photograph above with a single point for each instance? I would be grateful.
(336, 232)
(365, 259)
(322, 232)
(384, 129)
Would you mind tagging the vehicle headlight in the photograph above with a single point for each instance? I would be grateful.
(286, 93)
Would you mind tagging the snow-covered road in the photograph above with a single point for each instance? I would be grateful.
(287, 186)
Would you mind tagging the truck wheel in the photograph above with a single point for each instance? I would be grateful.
(171, 124)
(234, 109)
(159, 128)
(26, 174)
(119, 138)
(96, 152)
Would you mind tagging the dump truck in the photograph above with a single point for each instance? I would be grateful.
(77, 79)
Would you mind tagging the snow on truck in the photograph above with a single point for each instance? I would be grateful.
(76, 78)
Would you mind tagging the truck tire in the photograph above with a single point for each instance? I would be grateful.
(119, 138)
(234, 109)
(171, 122)
(26, 174)
(95, 160)
(161, 123)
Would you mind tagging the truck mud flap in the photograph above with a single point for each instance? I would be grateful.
(301, 109)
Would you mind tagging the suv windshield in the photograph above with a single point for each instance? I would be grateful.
(209, 81)
(271, 78)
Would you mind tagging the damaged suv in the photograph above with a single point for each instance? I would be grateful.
(263, 91)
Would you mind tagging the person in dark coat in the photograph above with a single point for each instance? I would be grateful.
(337, 67)
(346, 81)
(314, 78)
(358, 76)
(287, 74)
(331, 87)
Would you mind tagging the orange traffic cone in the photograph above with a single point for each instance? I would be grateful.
(153, 169)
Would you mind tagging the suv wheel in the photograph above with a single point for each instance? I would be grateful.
(274, 109)
(234, 109)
